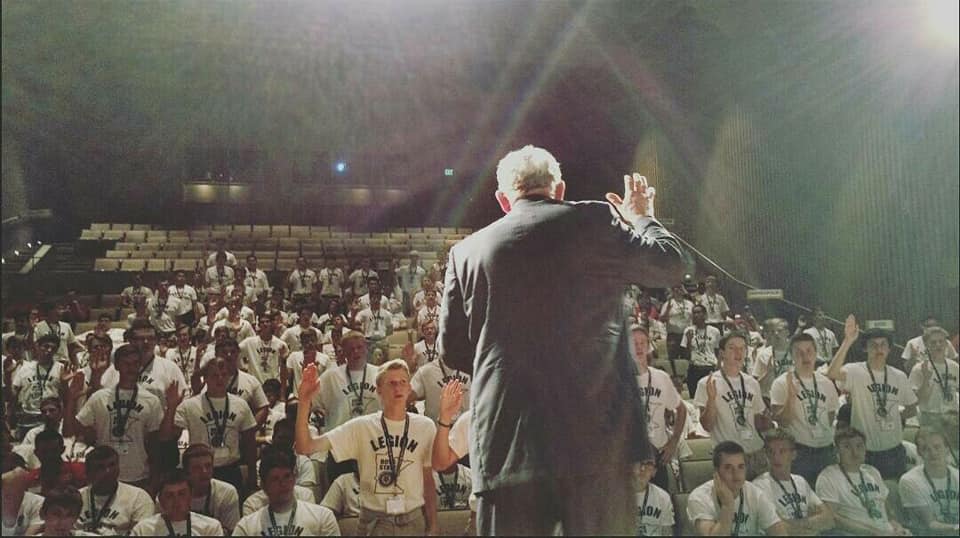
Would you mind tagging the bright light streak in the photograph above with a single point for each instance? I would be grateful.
(341, 167)
(16, 252)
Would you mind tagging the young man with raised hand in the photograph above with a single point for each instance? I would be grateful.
(393, 453)
(658, 397)
(728, 505)
(222, 421)
(209, 496)
(855, 491)
(110, 507)
(804, 403)
(731, 407)
(929, 491)
(430, 377)
(934, 379)
(175, 517)
(347, 392)
(802, 512)
(876, 392)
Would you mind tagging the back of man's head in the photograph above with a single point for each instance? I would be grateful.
(527, 169)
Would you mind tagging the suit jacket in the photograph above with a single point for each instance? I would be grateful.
(533, 307)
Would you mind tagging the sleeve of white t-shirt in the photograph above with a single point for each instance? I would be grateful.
(416, 384)
(671, 398)
(180, 416)
(245, 419)
(152, 420)
(459, 437)
(684, 341)
(778, 391)
(336, 499)
(759, 406)
(700, 394)
(229, 509)
(906, 389)
(142, 505)
(259, 398)
(827, 487)
(344, 443)
(87, 415)
(766, 512)
(913, 493)
(812, 498)
(700, 504)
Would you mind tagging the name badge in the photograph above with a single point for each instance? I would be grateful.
(396, 505)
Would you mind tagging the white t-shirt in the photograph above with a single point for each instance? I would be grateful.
(659, 391)
(62, 330)
(259, 499)
(246, 313)
(655, 517)
(790, 503)
(775, 362)
(243, 329)
(331, 280)
(230, 261)
(916, 350)
(159, 375)
(302, 282)
(681, 313)
(833, 488)
(757, 516)
(453, 489)
(826, 341)
(186, 361)
(217, 280)
(459, 438)
(915, 491)
(200, 525)
(426, 314)
(827, 402)
(375, 325)
(409, 277)
(163, 314)
(36, 383)
(429, 380)
(882, 433)
(248, 388)
(359, 279)
(100, 413)
(27, 516)
(295, 365)
(425, 353)
(129, 505)
(949, 374)
(343, 497)
(339, 395)
(130, 292)
(291, 337)
(365, 302)
(263, 358)
(715, 305)
(363, 439)
(726, 427)
(197, 417)
(702, 343)
(256, 282)
(186, 297)
(310, 520)
(223, 502)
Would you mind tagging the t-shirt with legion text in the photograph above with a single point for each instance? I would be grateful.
(429, 380)
(199, 525)
(363, 439)
(942, 495)
(217, 422)
(123, 423)
(658, 394)
(654, 512)
(817, 397)
(732, 394)
(347, 394)
(116, 514)
(861, 496)
(792, 498)
(889, 389)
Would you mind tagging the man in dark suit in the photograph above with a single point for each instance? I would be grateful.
(533, 308)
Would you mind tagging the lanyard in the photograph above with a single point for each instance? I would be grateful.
(881, 396)
(944, 502)
(184, 361)
(148, 366)
(782, 365)
(446, 375)
(363, 382)
(449, 494)
(290, 520)
(643, 509)
(98, 514)
(52, 330)
(206, 503)
(232, 385)
(645, 395)
(942, 380)
(42, 380)
(812, 416)
(863, 496)
(431, 353)
(395, 463)
(701, 343)
(121, 425)
(794, 500)
(823, 342)
(740, 405)
(170, 526)
(220, 426)
(736, 517)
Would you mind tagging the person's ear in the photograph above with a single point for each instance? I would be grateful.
(560, 188)
(504, 201)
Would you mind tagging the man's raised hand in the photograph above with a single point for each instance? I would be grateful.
(451, 396)
(310, 385)
(637, 198)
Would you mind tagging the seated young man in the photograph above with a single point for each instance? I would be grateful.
(110, 507)
(284, 514)
(343, 497)
(393, 451)
(802, 512)
(654, 506)
(728, 505)
(934, 480)
(60, 510)
(209, 496)
(175, 517)
(855, 491)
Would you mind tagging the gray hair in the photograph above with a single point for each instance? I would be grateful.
(527, 169)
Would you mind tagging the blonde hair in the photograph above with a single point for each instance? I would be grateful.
(527, 169)
(395, 364)
(350, 335)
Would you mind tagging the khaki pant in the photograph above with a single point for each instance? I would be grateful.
(380, 524)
